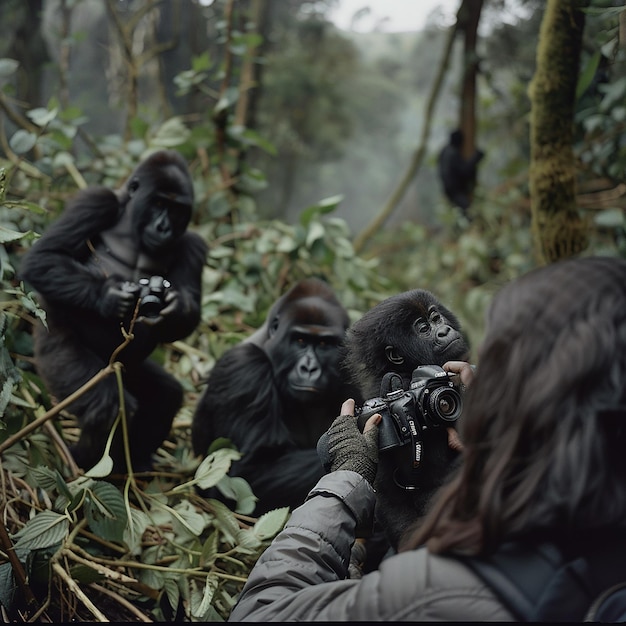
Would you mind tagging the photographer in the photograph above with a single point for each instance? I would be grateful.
(543, 432)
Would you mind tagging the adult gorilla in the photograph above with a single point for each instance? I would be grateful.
(87, 269)
(274, 394)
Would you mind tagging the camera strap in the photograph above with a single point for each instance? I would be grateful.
(392, 382)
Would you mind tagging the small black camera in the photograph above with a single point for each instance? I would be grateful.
(432, 400)
(151, 294)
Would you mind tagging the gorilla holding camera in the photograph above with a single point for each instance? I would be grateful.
(394, 355)
(110, 258)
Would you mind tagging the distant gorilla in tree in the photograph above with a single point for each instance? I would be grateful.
(90, 268)
(274, 394)
(457, 174)
(397, 335)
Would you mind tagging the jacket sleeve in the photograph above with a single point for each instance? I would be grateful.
(302, 574)
(312, 549)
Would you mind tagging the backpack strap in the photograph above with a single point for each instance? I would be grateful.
(518, 575)
(537, 583)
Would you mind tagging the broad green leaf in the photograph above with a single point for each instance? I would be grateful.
(134, 531)
(172, 132)
(45, 530)
(7, 582)
(210, 587)
(214, 467)
(209, 550)
(324, 206)
(7, 235)
(192, 520)
(102, 468)
(238, 489)
(586, 75)
(24, 204)
(42, 116)
(316, 232)
(22, 141)
(171, 590)
(105, 511)
(271, 523)
(85, 575)
(226, 521)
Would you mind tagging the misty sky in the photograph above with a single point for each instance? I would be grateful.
(403, 15)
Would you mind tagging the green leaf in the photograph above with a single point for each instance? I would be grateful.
(102, 468)
(105, 511)
(210, 587)
(22, 141)
(226, 521)
(172, 132)
(215, 466)
(209, 550)
(85, 575)
(24, 204)
(193, 521)
(201, 62)
(7, 235)
(171, 590)
(271, 523)
(42, 116)
(238, 489)
(134, 531)
(7, 582)
(586, 75)
(324, 206)
(45, 530)
(316, 231)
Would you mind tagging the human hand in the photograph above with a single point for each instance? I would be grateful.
(464, 373)
(463, 376)
(344, 447)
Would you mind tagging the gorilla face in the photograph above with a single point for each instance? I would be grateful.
(398, 335)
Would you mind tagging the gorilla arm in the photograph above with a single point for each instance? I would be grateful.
(55, 265)
(240, 402)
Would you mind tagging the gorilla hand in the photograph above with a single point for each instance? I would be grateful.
(171, 301)
(116, 301)
(343, 447)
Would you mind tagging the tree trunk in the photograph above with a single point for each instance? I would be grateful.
(469, 17)
(558, 229)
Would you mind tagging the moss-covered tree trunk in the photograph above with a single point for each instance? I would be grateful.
(559, 231)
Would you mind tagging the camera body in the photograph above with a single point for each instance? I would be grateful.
(431, 401)
(151, 294)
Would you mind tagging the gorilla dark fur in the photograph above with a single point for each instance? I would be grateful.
(274, 394)
(86, 269)
(397, 335)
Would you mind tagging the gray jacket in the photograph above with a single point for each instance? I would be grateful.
(302, 574)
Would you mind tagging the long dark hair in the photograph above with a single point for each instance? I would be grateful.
(545, 419)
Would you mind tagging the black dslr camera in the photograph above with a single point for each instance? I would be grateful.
(151, 294)
(431, 401)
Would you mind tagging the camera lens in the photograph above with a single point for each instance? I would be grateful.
(445, 403)
(150, 306)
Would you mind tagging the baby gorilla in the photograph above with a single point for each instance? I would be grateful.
(380, 354)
